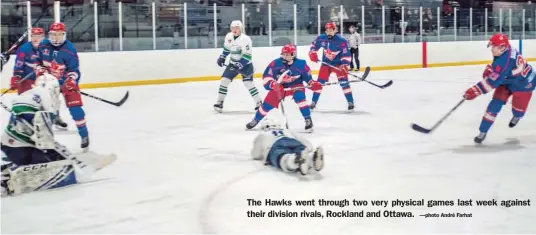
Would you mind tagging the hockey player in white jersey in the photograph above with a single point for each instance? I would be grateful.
(238, 47)
(286, 150)
(31, 159)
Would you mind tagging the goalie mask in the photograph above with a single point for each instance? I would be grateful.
(51, 86)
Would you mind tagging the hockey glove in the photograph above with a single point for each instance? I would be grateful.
(236, 66)
(15, 83)
(278, 88)
(344, 68)
(221, 60)
(472, 93)
(40, 70)
(487, 72)
(69, 85)
(315, 85)
(313, 56)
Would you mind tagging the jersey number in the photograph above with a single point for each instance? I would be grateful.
(521, 67)
(247, 47)
(278, 133)
(36, 98)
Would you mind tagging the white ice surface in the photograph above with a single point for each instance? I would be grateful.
(183, 169)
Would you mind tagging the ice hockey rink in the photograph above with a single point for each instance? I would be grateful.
(182, 168)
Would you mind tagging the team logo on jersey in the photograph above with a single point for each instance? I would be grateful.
(55, 68)
(331, 54)
(45, 52)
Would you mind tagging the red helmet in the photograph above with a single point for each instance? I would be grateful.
(498, 39)
(57, 27)
(330, 25)
(288, 49)
(38, 31)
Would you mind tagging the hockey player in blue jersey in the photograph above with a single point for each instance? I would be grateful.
(26, 62)
(336, 54)
(286, 150)
(60, 59)
(285, 76)
(31, 158)
(509, 75)
(237, 45)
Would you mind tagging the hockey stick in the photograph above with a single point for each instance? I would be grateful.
(119, 103)
(283, 99)
(364, 77)
(18, 42)
(427, 131)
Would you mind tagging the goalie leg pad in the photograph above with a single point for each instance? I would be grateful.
(43, 133)
(38, 177)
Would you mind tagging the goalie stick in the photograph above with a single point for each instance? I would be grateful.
(364, 77)
(427, 131)
(119, 103)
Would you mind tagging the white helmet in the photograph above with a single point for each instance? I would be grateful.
(49, 84)
(236, 23)
(270, 124)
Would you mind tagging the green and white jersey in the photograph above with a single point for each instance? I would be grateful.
(17, 133)
(238, 48)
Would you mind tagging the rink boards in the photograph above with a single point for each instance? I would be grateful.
(132, 68)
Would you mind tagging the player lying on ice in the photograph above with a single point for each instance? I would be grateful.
(31, 159)
(286, 150)
(509, 75)
(291, 73)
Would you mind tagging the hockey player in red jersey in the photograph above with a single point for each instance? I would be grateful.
(26, 62)
(60, 59)
(285, 76)
(509, 75)
(336, 54)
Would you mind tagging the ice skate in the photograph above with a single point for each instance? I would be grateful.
(312, 105)
(318, 159)
(514, 122)
(350, 106)
(301, 161)
(252, 124)
(309, 125)
(60, 123)
(85, 144)
(218, 107)
(480, 138)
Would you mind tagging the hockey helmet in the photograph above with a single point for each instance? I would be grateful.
(270, 124)
(57, 33)
(236, 27)
(330, 25)
(288, 52)
(498, 39)
(37, 31)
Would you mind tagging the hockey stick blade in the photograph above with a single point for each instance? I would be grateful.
(420, 129)
(121, 102)
(438, 123)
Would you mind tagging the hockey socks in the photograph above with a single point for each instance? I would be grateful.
(222, 92)
(252, 90)
(494, 108)
(347, 90)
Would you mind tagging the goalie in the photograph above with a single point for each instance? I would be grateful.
(286, 150)
(31, 159)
